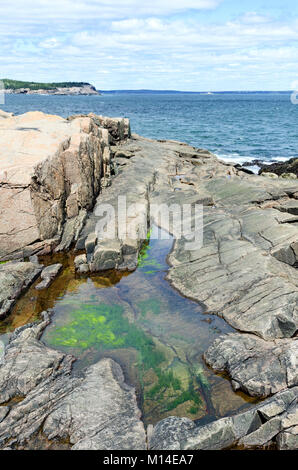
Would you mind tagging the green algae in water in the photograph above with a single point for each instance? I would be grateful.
(201, 377)
(145, 261)
(104, 327)
(93, 326)
(165, 380)
(156, 335)
(149, 306)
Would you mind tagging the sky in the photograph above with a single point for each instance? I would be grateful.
(190, 45)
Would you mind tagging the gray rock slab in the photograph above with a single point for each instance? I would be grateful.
(48, 274)
(260, 368)
(15, 278)
(249, 429)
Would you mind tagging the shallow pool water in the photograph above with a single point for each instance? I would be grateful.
(138, 319)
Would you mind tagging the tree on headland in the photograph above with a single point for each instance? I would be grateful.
(17, 84)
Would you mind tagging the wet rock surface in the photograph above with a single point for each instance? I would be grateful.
(48, 275)
(258, 367)
(245, 271)
(288, 169)
(42, 400)
(252, 429)
(15, 277)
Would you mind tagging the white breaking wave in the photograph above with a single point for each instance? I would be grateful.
(235, 158)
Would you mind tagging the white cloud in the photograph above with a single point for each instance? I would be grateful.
(252, 17)
(91, 9)
(134, 42)
(141, 34)
(49, 43)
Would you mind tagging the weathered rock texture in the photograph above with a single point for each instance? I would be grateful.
(288, 169)
(43, 404)
(270, 424)
(51, 171)
(15, 277)
(42, 400)
(245, 271)
(268, 366)
(48, 275)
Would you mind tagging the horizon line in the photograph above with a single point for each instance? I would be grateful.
(192, 91)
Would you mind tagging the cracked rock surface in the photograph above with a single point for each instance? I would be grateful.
(272, 423)
(41, 396)
(266, 367)
(51, 172)
(245, 272)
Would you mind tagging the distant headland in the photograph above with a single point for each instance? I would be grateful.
(55, 88)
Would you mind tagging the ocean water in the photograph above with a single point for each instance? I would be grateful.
(235, 127)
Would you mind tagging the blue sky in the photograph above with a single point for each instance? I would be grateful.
(190, 45)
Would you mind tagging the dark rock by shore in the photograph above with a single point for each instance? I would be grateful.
(286, 169)
(283, 169)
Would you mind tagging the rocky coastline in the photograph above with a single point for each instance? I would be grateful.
(54, 174)
(287, 169)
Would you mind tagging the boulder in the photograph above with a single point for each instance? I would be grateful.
(288, 440)
(81, 264)
(283, 169)
(249, 429)
(119, 128)
(48, 275)
(269, 174)
(259, 368)
(289, 176)
(15, 278)
(170, 433)
(51, 171)
(107, 255)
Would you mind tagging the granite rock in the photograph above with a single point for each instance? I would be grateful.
(15, 278)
